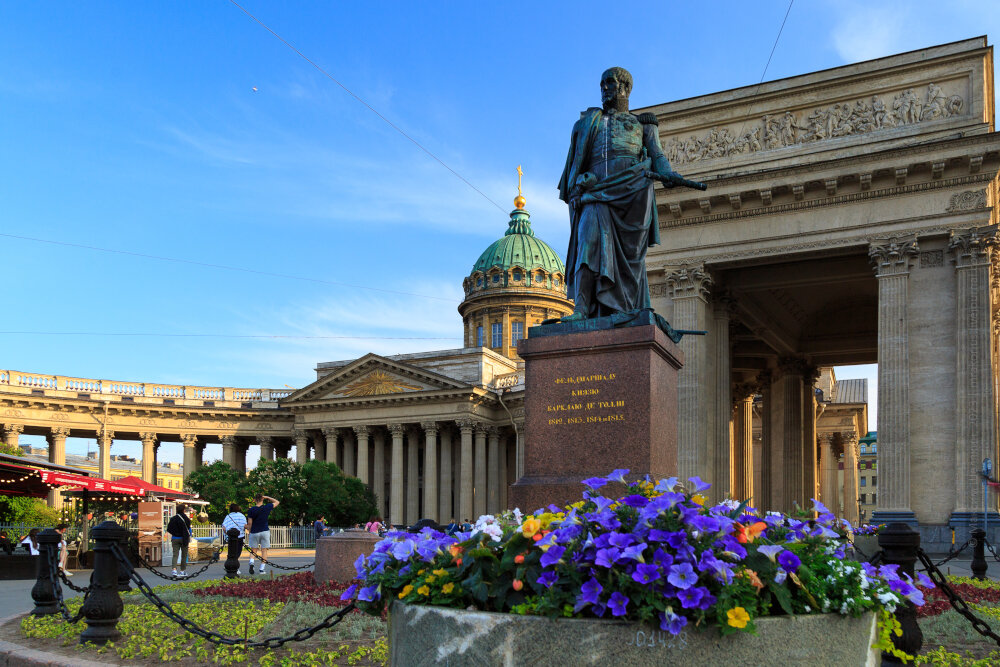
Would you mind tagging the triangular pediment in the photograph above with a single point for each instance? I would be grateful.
(371, 377)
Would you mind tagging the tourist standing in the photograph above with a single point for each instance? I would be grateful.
(63, 554)
(180, 537)
(236, 519)
(320, 527)
(374, 526)
(260, 532)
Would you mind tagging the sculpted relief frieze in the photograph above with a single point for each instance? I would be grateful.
(967, 201)
(801, 127)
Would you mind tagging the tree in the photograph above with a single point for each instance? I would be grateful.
(326, 491)
(220, 484)
(29, 511)
(280, 479)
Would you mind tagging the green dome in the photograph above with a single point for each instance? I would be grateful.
(519, 247)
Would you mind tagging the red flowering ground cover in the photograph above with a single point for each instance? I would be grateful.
(936, 602)
(300, 587)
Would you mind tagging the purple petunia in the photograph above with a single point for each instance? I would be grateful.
(595, 482)
(770, 550)
(617, 604)
(691, 597)
(547, 578)
(698, 484)
(607, 557)
(402, 550)
(789, 561)
(645, 573)
(671, 622)
(620, 540)
(349, 593)
(634, 552)
(665, 485)
(682, 575)
(359, 566)
(369, 593)
(618, 475)
(635, 500)
(552, 556)
(591, 591)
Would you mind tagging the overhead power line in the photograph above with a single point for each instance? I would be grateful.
(224, 266)
(368, 106)
(201, 335)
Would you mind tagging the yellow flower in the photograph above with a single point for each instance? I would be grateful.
(424, 590)
(420, 572)
(447, 588)
(440, 572)
(431, 579)
(699, 499)
(407, 589)
(530, 526)
(738, 617)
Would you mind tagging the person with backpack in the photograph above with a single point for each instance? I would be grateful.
(179, 528)
(236, 519)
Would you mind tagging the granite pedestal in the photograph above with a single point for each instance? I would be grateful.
(335, 555)
(596, 400)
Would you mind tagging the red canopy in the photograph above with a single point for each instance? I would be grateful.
(21, 480)
(153, 488)
(122, 486)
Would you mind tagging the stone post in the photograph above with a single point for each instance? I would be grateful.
(975, 417)
(233, 551)
(104, 439)
(148, 463)
(519, 452)
(851, 454)
(479, 500)
(301, 446)
(899, 544)
(445, 510)
(412, 476)
(57, 455)
(431, 499)
(378, 471)
(891, 258)
(690, 288)
(493, 471)
(11, 433)
(465, 501)
(361, 435)
(228, 450)
(743, 442)
(190, 442)
(396, 509)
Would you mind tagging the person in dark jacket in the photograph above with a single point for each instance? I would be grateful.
(180, 537)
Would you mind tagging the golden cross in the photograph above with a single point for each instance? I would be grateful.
(519, 175)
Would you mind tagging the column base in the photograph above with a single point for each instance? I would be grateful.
(973, 519)
(894, 516)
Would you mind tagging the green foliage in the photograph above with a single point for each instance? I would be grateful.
(10, 450)
(281, 479)
(220, 484)
(28, 511)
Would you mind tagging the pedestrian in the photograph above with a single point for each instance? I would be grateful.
(320, 527)
(30, 542)
(374, 526)
(5, 543)
(63, 553)
(236, 519)
(180, 538)
(259, 531)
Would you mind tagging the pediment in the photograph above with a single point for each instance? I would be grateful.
(371, 377)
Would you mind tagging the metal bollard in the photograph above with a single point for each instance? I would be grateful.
(123, 577)
(42, 592)
(979, 554)
(233, 552)
(900, 544)
(103, 606)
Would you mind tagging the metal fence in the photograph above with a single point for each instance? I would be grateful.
(282, 537)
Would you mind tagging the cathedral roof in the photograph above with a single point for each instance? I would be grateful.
(519, 247)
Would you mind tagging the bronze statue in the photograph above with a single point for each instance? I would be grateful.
(608, 183)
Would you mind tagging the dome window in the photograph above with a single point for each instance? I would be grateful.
(517, 276)
(555, 281)
(496, 277)
(479, 281)
(539, 278)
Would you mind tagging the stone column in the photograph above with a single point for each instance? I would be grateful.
(412, 476)
(466, 505)
(281, 450)
(57, 455)
(788, 446)
(431, 499)
(228, 450)
(350, 464)
(190, 442)
(810, 459)
(378, 470)
(851, 453)
(493, 471)
(445, 510)
(765, 493)
(240, 456)
(722, 454)
(104, 439)
(361, 435)
(519, 452)
(148, 457)
(266, 447)
(690, 288)
(892, 268)
(975, 418)
(301, 446)
(828, 493)
(504, 478)
(320, 444)
(479, 462)
(397, 512)
(11, 433)
(328, 449)
(743, 442)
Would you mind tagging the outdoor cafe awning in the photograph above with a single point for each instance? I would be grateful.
(37, 480)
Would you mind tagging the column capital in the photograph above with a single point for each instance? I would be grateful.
(744, 391)
(11, 429)
(972, 247)
(429, 427)
(106, 434)
(362, 429)
(330, 432)
(227, 440)
(147, 437)
(764, 379)
(264, 439)
(300, 434)
(798, 366)
(466, 424)
(689, 282)
(396, 429)
(189, 439)
(59, 432)
(892, 256)
(849, 437)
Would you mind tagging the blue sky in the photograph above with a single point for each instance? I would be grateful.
(135, 127)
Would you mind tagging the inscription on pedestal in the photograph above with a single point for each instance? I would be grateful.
(590, 399)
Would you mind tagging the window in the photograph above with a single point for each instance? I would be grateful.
(874, 465)
(479, 281)
(873, 499)
(516, 332)
(874, 449)
(864, 481)
(863, 501)
(874, 480)
(496, 277)
(479, 336)
(539, 278)
(517, 276)
(497, 337)
(864, 449)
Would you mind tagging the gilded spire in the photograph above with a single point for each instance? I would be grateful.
(519, 200)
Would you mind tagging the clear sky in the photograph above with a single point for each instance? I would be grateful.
(185, 130)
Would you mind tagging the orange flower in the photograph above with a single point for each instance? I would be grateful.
(753, 579)
(458, 561)
(519, 559)
(536, 536)
(747, 533)
(518, 584)
(530, 527)
(454, 550)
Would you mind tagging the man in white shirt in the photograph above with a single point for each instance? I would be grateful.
(235, 519)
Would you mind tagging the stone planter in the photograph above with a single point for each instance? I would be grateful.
(420, 635)
(335, 555)
(866, 546)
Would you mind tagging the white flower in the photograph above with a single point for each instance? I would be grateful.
(808, 609)
(494, 531)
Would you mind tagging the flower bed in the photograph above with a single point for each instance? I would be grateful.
(300, 587)
(654, 555)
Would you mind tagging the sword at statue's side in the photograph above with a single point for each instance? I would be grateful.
(676, 179)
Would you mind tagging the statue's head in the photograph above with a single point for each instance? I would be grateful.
(616, 85)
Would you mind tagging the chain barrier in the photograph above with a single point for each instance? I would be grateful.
(992, 550)
(57, 589)
(952, 554)
(69, 584)
(280, 567)
(861, 553)
(215, 637)
(956, 602)
(171, 577)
